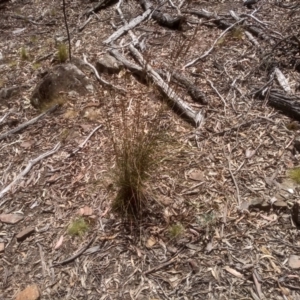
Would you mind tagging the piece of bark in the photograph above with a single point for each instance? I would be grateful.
(21, 236)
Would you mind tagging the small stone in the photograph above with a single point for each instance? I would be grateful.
(11, 218)
(108, 64)
(21, 236)
(30, 293)
(294, 262)
(2, 247)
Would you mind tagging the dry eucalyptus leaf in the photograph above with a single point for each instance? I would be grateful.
(59, 243)
(294, 262)
(249, 153)
(233, 272)
(26, 145)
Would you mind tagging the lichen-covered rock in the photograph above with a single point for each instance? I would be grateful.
(60, 80)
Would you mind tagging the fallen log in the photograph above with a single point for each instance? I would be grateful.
(287, 104)
(175, 101)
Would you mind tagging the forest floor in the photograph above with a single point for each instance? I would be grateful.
(219, 195)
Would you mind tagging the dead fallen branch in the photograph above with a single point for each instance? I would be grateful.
(133, 23)
(164, 19)
(175, 100)
(27, 169)
(191, 88)
(26, 124)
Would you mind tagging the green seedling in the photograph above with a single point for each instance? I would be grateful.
(62, 53)
(294, 174)
(24, 54)
(176, 230)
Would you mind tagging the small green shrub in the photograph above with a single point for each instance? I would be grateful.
(78, 227)
(62, 53)
(176, 230)
(294, 174)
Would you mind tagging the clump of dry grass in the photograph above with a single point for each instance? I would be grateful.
(135, 145)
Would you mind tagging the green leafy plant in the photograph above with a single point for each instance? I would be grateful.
(294, 174)
(78, 227)
(62, 53)
(176, 230)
